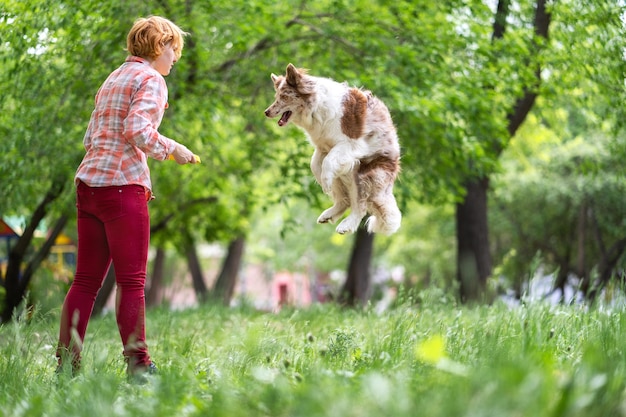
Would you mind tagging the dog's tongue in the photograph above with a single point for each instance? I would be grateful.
(284, 118)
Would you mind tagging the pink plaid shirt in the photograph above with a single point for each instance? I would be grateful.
(122, 131)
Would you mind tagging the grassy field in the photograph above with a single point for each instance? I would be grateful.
(432, 359)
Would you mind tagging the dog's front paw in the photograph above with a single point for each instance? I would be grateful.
(325, 218)
(332, 214)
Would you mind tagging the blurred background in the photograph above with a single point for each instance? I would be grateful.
(510, 116)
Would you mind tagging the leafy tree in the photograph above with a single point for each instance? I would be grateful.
(579, 234)
(42, 107)
(44, 55)
(496, 65)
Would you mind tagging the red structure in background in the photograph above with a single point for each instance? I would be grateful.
(7, 236)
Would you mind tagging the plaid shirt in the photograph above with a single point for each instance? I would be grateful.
(122, 131)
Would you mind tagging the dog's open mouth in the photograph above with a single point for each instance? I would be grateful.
(284, 118)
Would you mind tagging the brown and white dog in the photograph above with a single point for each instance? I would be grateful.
(357, 155)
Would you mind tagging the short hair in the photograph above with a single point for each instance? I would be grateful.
(149, 35)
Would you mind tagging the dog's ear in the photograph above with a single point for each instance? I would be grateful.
(276, 79)
(292, 75)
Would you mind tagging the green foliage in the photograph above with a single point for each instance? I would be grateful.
(578, 187)
(439, 359)
(278, 244)
(49, 292)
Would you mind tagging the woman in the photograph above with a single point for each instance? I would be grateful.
(113, 188)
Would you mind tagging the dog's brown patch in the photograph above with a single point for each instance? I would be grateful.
(354, 111)
(390, 165)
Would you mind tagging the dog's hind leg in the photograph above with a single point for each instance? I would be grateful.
(385, 215)
(341, 199)
(377, 183)
(358, 206)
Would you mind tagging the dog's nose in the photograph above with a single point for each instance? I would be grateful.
(267, 112)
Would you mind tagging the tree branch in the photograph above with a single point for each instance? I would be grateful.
(267, 43)
(42, 253)
(298, 21)
(525, 103)
(606, 268)
(14, 283)
(261, 45)
(499, 23)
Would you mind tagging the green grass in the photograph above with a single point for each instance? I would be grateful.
(435, 359)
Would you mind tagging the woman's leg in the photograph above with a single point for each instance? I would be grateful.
(92, 263)
(128, 237)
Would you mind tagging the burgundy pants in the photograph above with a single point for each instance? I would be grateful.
(113, 225)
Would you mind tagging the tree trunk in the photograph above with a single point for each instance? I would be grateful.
(17, 282)
(581, 267)
(227, 279)
(155, 291)
(474, 258)
(105, 292)
(606, 268)
(196, 272)
(355, 290)
(473, 254)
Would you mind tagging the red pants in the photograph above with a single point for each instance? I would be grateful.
(113, 225)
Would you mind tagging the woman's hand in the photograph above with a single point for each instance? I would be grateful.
(182, 155)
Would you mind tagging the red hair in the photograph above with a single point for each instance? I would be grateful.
(149, 35)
